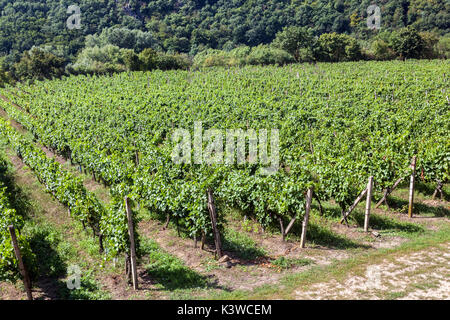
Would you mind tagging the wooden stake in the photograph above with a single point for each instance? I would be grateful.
(291, 223)
(346, 214)
(306, 218)
(411, 187)
(203, 240)
(22, 268)
(167, 222)
(438, 189)
(213, 215)
(283, 232)
(389, 191)
(132, 244)
(368, 204)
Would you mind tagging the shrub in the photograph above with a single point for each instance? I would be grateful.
(335, 47)
(443, 47)
(148, 59)
(172, 61)
(123, 38)
(265, 55)
(430, 40)
(214, 58)
(99, 60)
(382, 51)
(131, 60)
(407, 43)
(297, 41)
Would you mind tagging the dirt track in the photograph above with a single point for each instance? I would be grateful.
(418, 276)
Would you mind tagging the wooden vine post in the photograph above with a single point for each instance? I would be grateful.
(309, 196)
(387, 192)
(132, 244)
(368, 204)
(411, 187)
(22, 268)
(438, 189)
(213, 216)
(353, 206)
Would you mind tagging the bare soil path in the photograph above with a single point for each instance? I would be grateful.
(420, 275)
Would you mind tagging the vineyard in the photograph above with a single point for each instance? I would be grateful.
(339, 124)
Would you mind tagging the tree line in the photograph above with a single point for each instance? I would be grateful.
(122, 49)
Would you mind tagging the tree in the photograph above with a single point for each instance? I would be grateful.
(106, 59)
(131, 60)
(148, 59)
(381, 50)
(265, 55)
(39, 64)
(5, 78)
(123, 38)
(335, 47)
(407, 43)
(430, 40)
(443, 47)
(298, 41)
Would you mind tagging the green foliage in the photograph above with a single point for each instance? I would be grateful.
(39, 64)
(106, 59)
(265, 55)
(194, 26)
(111, 59)
(70, 191)
(430, 41)
(260, 55)
(9, 267)
(219, 58)
(125, 38)
(335, 47)
(131, 60)
(288, 263)
(443, 47)
(334, 135)
(407, 43)
(168, 270)
(166, 61)
(148, 59)
(381, 50)
(297, 41)
(5, 78)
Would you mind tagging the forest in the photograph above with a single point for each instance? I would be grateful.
(34, 35)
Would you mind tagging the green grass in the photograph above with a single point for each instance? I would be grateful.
(322, 235)
(56, 246)
(241, 245)
(395, 295)
(390, 226)
(287, 263)
(55, 255)
(169, 271)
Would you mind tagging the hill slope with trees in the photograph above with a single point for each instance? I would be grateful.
(186, 26)
(193, 26)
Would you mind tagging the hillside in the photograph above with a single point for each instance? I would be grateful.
(190, 25)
